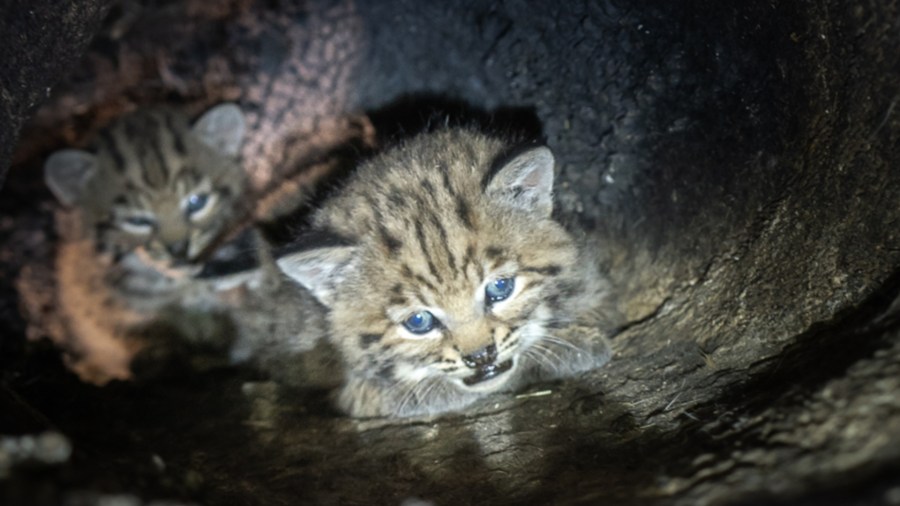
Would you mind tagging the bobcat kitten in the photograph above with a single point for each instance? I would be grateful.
(453, 280)
(143, 208)
(154, 184)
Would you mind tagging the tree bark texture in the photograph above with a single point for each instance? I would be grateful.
(740, 161)
(41, 41)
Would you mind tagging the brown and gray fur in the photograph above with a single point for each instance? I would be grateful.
(270, 323)
(252, 317)
(134, 187)
(129, 240)
(425, 227)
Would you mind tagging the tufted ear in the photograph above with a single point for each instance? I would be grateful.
(526, 181)
(67, 173)
(319, 270)
(221, 128)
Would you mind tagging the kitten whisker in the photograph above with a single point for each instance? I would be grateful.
(433, 385)
(409, 387)
(563, 343)
(552, 359)
(558, 322)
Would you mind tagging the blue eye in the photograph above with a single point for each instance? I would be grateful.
(499, 289)
(140, 221)
(196, 202)
(420, 323)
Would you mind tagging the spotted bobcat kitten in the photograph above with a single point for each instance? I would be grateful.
(454, 280)
(155, 185)
(143, 207)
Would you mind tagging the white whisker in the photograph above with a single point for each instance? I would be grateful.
(411, 388)
(563, 343)
(542, 345)
(426, 395)
(546, 356)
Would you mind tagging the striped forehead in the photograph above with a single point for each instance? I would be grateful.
(148, 150)
(426, 216)
(434, 267)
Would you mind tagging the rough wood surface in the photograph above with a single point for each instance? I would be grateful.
(40, 42)
(288, 68)
(741, 162)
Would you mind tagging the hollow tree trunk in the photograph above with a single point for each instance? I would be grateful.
(741, 162)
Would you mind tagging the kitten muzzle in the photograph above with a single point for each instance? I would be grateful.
(487, 372)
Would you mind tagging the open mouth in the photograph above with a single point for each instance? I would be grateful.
(487, 372)
(175, 269)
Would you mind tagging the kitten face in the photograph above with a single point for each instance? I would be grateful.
(455, 279)
(468, 332)
(156, 185)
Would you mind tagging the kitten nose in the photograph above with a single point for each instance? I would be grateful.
(178, 249)
(481, 358)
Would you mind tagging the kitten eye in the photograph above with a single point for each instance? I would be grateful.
(138, 224)
(198, 206)
(420, 323)
(195, 203)
(499, 289)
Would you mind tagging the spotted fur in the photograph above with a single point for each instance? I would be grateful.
(155, 185)
(141, 210)
(425, 227)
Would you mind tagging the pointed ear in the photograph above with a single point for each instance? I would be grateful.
(221, 128)
(319, 270)
(67, 173)
(526, 181)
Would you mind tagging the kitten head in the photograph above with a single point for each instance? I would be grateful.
(156, 184)
(453, 272)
